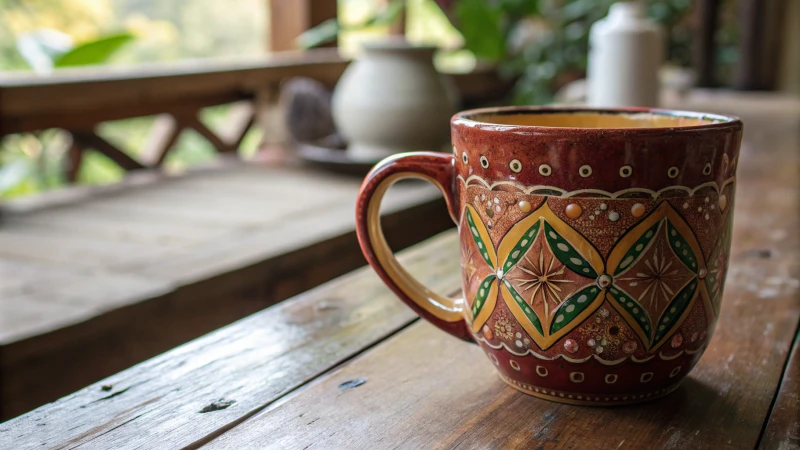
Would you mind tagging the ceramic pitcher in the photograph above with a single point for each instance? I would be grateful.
(393, 100)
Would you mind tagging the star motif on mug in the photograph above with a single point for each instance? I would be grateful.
(552, 278)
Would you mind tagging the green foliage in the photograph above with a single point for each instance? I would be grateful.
(94, 52)
(482, 24)
(323, 33)
(544, 44)
(31, 169)
(329, 30)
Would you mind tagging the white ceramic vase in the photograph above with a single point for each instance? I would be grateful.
(625, 56)
(392, 100)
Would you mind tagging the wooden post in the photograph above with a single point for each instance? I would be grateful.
(72, 163)
(289, 18)
(704, 51)
(760, 44)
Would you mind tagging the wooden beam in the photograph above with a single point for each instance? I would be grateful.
(321, 10)
(704, 50)
(163, 135)
(789, 77)
(240, 119)
(196, 124)
(81, 98)
(759, 45)
(90, 140)
(73, 162)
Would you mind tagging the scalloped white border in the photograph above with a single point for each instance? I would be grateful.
(605, 362)
(568, 194)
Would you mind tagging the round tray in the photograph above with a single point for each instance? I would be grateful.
(332, 159)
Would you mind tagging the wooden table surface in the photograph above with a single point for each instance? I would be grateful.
(95, 280)
(347, 365)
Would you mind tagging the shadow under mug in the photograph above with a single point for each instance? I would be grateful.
(594, 243)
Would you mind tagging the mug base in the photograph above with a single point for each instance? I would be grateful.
(571, 398)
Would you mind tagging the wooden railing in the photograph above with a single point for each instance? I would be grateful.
(78, 100)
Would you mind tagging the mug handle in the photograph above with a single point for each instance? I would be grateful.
(437, 168)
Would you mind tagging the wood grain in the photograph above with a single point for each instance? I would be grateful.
(426, 390)
(783, 428)
(252, 362)
(423, 389)
(91, 289)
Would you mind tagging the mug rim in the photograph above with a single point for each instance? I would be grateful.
(471, 118)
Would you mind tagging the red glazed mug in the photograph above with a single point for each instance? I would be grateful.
(594, 243)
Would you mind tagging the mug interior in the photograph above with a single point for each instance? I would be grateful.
(593, 118)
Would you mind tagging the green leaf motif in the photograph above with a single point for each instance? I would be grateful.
(674, 311)
(526, 309)
(633, 308)
(478, 240)
(573, 306)
(480, 297)
(567, 254)
(681, 247)
(637, 249)
(522, 246)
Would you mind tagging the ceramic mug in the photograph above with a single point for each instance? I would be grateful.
(594, 243)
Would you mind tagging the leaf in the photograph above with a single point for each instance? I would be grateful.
(580, 9)
(674, 311)
(681, 247)
(567, 254)
(524, 242)
(321, 34)
(478, 236)
(638, 247)
(635, 310)
(481, 24)
(520, 302)
(484, 291)
(520, 8)
(574, 305)
(93, 52)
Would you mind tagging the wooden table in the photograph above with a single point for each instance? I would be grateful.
(95, 280)
(340, 366)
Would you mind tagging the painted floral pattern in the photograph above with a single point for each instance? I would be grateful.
(551, 279)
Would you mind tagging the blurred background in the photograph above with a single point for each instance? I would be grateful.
(533, 48)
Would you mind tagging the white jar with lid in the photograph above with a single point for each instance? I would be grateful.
(626, 50)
